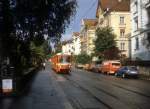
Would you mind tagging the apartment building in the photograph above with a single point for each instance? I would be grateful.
(140, 15)
(87, 35)
(116, 14)
(76, 43)
(68, 47)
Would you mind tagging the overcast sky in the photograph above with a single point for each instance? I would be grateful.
(85, 9)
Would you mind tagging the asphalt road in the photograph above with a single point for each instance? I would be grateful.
(81, 90)
(87, 90)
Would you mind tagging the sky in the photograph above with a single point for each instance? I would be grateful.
(85, 9)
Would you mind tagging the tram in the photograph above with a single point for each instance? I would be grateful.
(61, 63)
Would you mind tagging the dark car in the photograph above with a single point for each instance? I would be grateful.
(127, 71)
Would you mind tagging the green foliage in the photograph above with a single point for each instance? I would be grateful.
(105, 39)
(58, 47)
(83, 58)
(112, 53)
(24, 23)
(47, 48)
(105, 44)
(44, 17)
(37, 54)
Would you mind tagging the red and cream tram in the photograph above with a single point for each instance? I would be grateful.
(61, 63)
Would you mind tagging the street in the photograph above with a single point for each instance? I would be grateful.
(52, 53)
(81, 90)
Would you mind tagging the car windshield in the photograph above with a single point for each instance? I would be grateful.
(132, 68)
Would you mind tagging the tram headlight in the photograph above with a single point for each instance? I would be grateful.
(59, 65)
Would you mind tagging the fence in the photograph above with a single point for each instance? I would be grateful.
(143, 66)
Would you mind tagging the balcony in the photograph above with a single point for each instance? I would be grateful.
(147, 4)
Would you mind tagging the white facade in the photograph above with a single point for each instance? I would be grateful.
(76, 43)
(140, 17)
(90, 41)
(88, 35)
(68, 48)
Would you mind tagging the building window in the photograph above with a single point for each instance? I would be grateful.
(76, 39)
(122, 46)
(136, 6)
(148, 14)
(136, 23)
(122, 32)
(137, 43)
(121, 20)
(148, 37)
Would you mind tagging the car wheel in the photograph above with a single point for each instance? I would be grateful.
(123, 75)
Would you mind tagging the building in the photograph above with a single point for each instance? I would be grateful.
(68, 47)
(1, 25)
(116, 14)
(88, 28)
(140, 13)
(76, 43)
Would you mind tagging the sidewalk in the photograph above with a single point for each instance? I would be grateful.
(44, 93)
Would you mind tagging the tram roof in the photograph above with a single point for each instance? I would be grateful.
(63, 54)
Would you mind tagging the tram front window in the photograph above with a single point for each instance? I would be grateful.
(65, 60)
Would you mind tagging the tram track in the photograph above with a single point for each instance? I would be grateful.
(121, 86)
(107, 93)
(97, 89)
(87, 91)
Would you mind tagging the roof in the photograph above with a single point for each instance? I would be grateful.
(76, 33)
(90, 22)
(66, 54)
(98, 7)
(114, 5)
(112, 61)
(67, 42)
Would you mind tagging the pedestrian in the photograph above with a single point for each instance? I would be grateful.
(44, 64)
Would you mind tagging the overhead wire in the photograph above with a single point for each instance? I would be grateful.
(85, 13)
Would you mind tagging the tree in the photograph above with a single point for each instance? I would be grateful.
(27, 21)
(112, 53)
(58, 47)
(39, 17)
(83, 58)
(37, 54)
(105, 44)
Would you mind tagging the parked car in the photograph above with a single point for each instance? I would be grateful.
(93, 66)
(110, 67)
(80, 66)
(127, 71)
(86, 67)
(96, 68)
